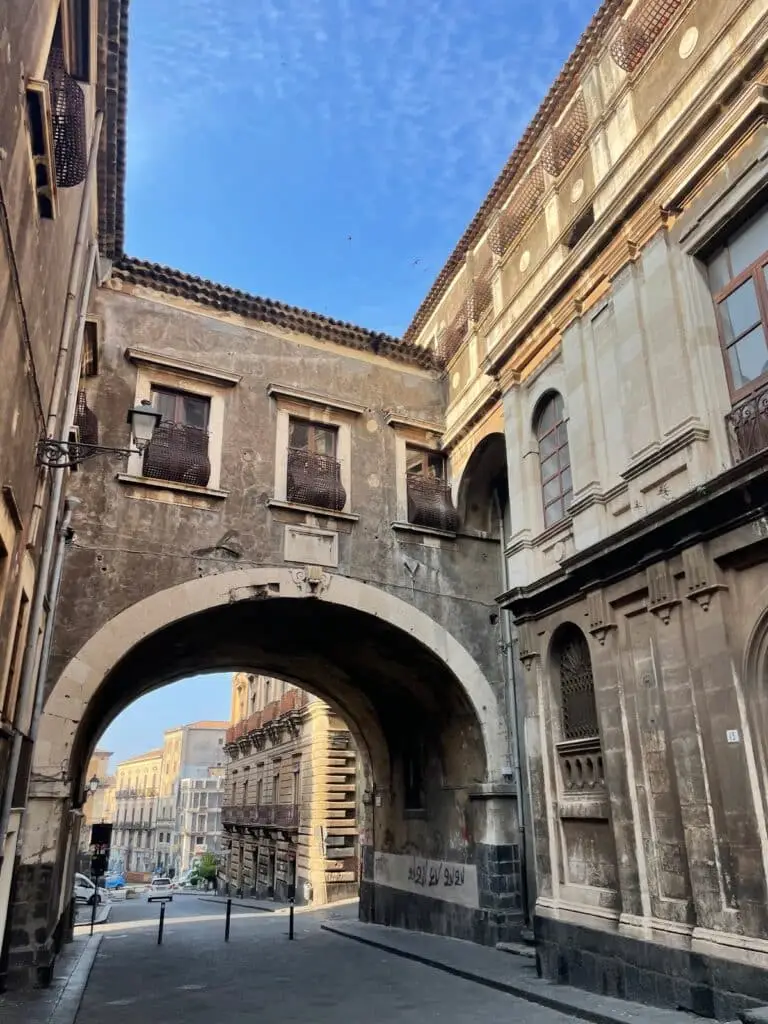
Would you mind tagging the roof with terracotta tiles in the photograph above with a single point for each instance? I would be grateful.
(254, 307)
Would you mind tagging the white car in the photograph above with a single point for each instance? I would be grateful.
(160, 889)
(85, 891)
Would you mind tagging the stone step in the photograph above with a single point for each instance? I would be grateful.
(517, 948)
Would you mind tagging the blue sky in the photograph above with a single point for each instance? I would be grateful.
(141, 726)
(261, 136)
(313, 150)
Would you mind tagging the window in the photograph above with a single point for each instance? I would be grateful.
(90, 364)
(428, 493)
(577, 688)
(259, 793)
(554, 459)
(276, 789)
(178, 450)
(314, 471)
(738, 278)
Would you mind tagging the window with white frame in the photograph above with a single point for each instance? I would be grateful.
(186, 446)
(313, 442)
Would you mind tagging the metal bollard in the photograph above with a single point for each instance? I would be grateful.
(93, 909)
(162, 925)
(290, 918)
(229, 916)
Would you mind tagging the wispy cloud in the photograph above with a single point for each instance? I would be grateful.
(413, 104)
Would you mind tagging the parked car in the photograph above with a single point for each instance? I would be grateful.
(160, 889)
(85, 891)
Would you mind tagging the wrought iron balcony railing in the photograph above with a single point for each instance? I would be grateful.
(178, 453)
(279, 815)
(429, 503)
(315, 480)
(748, 425)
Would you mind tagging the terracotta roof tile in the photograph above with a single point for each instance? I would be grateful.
(222, 297)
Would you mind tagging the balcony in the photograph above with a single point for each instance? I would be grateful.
(275, 815)
(430, 505)
(747, 425)
(178, 453)
(315, 480)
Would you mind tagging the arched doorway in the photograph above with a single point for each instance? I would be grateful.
(424, 716)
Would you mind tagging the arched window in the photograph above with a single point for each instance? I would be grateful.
(577, 687)
(554, 458)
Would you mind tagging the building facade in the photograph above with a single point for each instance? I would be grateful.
(291, 789)
(576, 421)
(52, 85)
(100, 806)
(191, 753)
(199, 823)
(134, 828)
(605, 329)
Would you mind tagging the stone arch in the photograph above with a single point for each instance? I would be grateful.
(82, 678)
(380, 662)
(571, 670)
(484, 475)
(755, 690)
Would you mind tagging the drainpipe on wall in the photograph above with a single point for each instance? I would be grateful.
(513, 722)
(31, 686)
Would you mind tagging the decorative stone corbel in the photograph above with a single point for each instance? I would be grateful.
(701, 577)
(526, 644)
(662, 597)
(311, 580)
(599, 616)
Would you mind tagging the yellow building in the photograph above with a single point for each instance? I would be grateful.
(290, 815)
(100, 805)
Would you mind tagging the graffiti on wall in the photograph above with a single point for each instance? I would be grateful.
(437, 879)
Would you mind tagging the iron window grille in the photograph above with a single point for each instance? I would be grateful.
(577, 687)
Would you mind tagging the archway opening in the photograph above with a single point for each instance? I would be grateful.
(424, 722)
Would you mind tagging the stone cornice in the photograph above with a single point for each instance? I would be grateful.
(707, 511)
(285, 391)
(183, 367)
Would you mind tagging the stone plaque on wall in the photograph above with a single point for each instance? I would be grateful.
(311, 546)
(437, 879)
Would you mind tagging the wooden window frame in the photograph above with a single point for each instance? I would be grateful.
(757, 271)
(179, 394)
(313, 425)
(560, 421)
(426, 454)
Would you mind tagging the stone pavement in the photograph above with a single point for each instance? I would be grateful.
(59, 1003)
(195, 978)
(504, 972)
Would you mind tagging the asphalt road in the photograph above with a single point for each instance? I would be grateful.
(197, 978)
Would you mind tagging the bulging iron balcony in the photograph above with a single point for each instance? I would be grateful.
(315, 480)
(429, 503)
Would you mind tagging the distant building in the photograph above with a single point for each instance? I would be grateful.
(199, 818)
(189, 753)
(133, 834)
(100, 805)
(290, 815)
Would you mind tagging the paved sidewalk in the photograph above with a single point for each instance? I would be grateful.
(504, 972)
(59, 1003)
